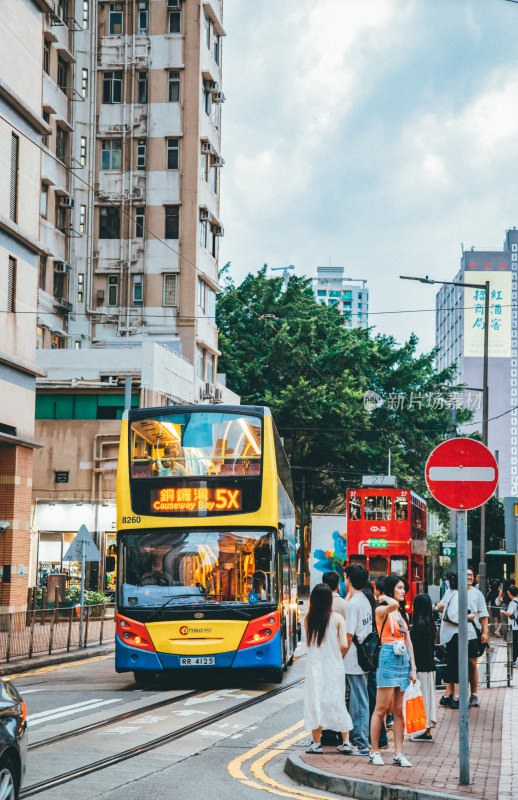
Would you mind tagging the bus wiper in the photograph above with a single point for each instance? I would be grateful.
(171, 597)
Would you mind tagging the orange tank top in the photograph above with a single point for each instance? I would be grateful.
(395, 628)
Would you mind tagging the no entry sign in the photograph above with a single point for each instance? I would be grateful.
(461, 474)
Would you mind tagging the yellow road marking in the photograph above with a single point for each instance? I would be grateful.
(55, 667)
(269, 784)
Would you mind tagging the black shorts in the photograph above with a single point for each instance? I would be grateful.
(473, 648)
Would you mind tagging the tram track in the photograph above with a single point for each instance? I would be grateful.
(152, 744)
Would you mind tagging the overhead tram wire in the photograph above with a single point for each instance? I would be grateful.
(151, 233)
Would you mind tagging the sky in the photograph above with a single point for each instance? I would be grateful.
(377, 135)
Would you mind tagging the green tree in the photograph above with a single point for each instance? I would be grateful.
(282, 349)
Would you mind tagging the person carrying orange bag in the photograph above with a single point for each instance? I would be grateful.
(413, 709)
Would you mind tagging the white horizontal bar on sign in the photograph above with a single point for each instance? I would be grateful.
(482, 474)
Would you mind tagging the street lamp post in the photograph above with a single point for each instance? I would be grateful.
(485, 401)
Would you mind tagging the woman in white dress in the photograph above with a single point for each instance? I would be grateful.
(324, 687)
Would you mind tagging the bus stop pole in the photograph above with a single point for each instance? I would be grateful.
(82, 598)
(462, 561)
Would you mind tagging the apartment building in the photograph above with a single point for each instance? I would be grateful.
(21, 128)
(133, 94)
(349, 295)
(460, 341)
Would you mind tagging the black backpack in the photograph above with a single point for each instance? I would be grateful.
(368, 651)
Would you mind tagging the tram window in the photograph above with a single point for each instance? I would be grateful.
(355, 508)
(378, 566)
(401, 508)
(379, 507)
(362, 560)
(185, 567)
(399, 566)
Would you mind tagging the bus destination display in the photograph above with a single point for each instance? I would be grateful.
(188, 499)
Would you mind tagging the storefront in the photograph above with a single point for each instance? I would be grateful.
(56, 525)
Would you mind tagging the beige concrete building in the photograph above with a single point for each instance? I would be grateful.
(133, 94)
(21, 127)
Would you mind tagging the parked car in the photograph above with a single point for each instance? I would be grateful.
(13, 740)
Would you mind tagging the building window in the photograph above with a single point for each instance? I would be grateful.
(112, 87)
(115, 19)
(138, 286)
(39, 338)
(59, 284)
(175, 22)
(45, 137)
(204, 166)
(209, 368)
(214, 179)
(139, 222)
(109, 222)
(57, 342)
(13, 186)
(63, 9)
(206, 30)
(46, 56)
(44, 199)
(172, 222)
(142, 17)
(174, 86)
(169, 290)
(141, 154)
(42, 273)
(61, 143)
(113, 290)
(11, 285)
(203, 233)
(207, 101)
(215, 46)
(211, 304)
(201, 294)
(142, 87)
(111, 154)
(173, 154)
(82, 219)
(61, 216)
(62, 73)
(84, 82)
(80, 287)
(86, 14)
(82, 151)
(199, 363)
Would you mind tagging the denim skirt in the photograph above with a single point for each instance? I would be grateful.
(392, 670)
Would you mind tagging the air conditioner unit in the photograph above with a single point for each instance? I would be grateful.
(218, 394)
(100, 297)
(218, 230)
(204, 213)
(174, 3)
(217, 161)
(212, 86)
(218, 97)
(206, 147)
(66, 202)
(61, 268)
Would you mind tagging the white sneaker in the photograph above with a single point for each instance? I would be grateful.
(316, 748)
(345, 748)
(401, 761)
(376, 759)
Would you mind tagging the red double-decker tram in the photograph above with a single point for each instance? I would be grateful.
(386, 533)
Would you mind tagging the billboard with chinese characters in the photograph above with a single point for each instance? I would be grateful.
(499, 316)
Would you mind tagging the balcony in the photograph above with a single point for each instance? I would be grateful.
(113, 52)
(62, 305)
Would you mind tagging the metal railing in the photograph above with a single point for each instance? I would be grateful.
(24, 634)
(495, 666)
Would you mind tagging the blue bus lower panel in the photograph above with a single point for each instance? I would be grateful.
(128, 659)
(264, 655)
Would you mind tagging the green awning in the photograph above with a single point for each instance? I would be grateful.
(500, 553)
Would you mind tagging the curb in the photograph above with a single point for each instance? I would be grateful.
(29, 664)
(360, 789)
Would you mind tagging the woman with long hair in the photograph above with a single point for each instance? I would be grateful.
(324, 687)
(423, 635)
(396, 667)
(449, 636)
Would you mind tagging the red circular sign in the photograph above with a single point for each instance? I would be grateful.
(461, 474)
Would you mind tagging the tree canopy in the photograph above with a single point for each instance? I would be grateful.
(280, 348)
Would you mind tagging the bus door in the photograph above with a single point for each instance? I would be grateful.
(287, 630)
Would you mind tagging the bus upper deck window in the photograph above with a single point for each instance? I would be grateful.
(378, 507)
(401, 508)
(355, 508)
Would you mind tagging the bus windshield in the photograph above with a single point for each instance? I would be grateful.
(195, 444)
(197, 567)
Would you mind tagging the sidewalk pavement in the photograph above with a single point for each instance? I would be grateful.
(435, 771)
(20, 665)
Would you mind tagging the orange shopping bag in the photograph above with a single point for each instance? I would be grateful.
(413, 709)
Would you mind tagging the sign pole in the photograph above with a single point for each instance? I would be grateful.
(82, 600)
(462, 561)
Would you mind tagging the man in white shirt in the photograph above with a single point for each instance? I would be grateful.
(512, 613)
(358, 622)
(477, 612)
(332, 579)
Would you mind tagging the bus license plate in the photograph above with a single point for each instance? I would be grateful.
(198, 661)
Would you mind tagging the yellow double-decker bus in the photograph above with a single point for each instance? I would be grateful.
(206, 542)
